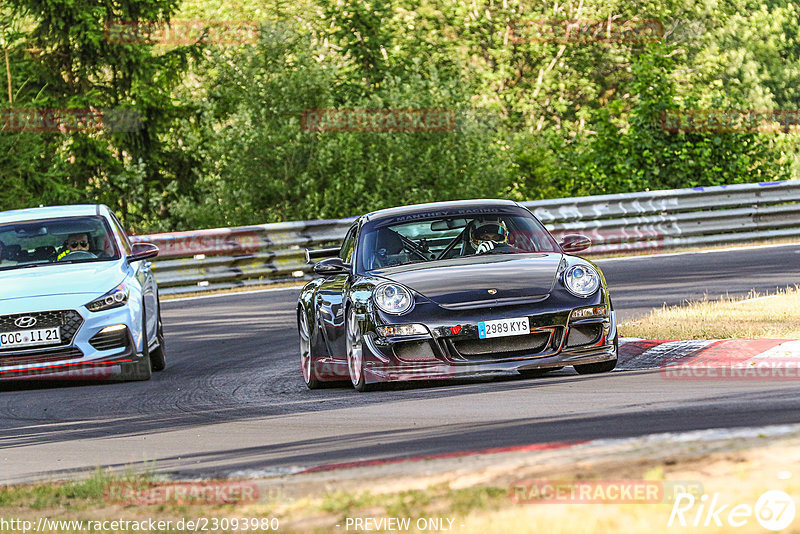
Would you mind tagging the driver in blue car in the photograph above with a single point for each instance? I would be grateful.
(489, 235)
(75, 243)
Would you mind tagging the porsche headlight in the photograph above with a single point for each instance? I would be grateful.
(393, 298)
(581, 280)
(113, 299)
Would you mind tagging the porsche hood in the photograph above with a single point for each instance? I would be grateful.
(480, 278)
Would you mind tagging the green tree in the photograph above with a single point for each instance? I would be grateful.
(72, 64)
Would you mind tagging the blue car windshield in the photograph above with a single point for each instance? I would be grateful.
(453, 236)
(56, 241)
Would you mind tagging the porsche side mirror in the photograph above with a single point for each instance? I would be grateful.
(142, 251)
(321, 253)
(575, 243)
(331, 266)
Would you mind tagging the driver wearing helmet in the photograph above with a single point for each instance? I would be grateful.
(485, 236)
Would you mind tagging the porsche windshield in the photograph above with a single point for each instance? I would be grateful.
(453, 236)
(55, 241)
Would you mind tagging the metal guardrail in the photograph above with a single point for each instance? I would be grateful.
(651, 220)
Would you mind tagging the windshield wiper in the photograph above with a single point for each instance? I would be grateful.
(25, 266)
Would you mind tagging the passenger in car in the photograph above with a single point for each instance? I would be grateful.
(6, 255)
(44, 253)
(389, 249)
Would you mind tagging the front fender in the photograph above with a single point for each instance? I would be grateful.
(305, 302)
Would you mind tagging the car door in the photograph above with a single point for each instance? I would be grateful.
(331, 299)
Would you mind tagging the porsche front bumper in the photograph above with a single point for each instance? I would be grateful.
(452, 349)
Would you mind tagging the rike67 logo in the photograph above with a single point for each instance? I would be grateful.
(774, 510)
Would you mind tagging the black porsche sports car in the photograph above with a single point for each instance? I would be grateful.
(453, 290)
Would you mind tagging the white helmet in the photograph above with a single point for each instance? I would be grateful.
(483, 231)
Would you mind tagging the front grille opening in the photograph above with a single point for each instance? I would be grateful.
(414, 351)
(43, 356)
(585, 334)
(503, 347)
(115, 339)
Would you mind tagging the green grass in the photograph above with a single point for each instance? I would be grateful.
(70, 495)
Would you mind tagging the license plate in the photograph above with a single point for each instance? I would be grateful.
(504, 327)
(30, 338)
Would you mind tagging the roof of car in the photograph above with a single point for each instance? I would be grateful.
(433, 206)
(52, 212)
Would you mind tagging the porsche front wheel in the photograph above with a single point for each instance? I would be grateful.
(601, 367)
(306, 355)
(355, 352)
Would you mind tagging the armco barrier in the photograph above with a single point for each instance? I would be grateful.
(236, 257)
(268, 253)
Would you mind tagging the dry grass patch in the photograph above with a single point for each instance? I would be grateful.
(753, 316)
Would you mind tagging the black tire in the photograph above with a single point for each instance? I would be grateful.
(141, 370)
(355, 352)
(534, 373)
(158, 356)
(601, 367)
(307, 368)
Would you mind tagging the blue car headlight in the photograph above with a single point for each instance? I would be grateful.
(393, 298)
(115, 298)
(581, 280)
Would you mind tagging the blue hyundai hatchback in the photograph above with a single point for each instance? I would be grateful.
(77, 299)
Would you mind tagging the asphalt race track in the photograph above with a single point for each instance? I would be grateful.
(232, 402)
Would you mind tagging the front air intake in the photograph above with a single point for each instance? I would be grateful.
(108, 339)
(586, 334)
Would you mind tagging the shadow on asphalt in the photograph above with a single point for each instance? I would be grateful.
(729, 411)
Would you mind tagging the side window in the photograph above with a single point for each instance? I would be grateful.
(126, 243)
(348, 245)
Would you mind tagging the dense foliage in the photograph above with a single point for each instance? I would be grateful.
(220, 137)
